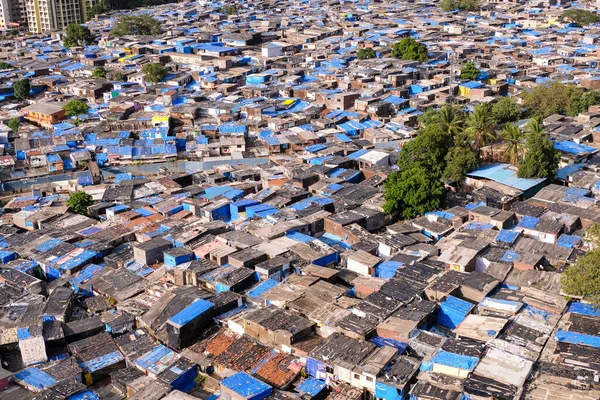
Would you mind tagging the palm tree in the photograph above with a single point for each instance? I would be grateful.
(481, 126)
(513, 137)
(450, 119)
(535, 126)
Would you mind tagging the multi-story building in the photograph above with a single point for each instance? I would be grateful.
(45, 15)
(12, 14)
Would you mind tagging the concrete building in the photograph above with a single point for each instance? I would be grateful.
(46, 15)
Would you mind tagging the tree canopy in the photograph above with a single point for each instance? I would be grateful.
(558, 98)
(460, 159)
(462, 5)
(506, 110)
(75, 108)
(413, 192)
(230, 9)
(481, 126)
(99, 72)
(79, 202)
(78, 35)
(580, 17)
(97, 9)
(5, 65)
(14, 124)
(469, 71)
(366, 53)
(136, 25)
(22, 89)
(154, 72)
(409, 49)
(541, 158)
(513, 140)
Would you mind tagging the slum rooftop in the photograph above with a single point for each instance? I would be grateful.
(254, 260)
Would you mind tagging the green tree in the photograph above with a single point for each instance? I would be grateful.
(513, 139)
(79, 202)
(409, 49)
(552, 98)
(506, 110)
(136, 25)
(120, 77)
(583, 278)
(14, 124)
(541, 158)
(450, 119)
(230, 9)
(99, 72)
(469, 71)
(5, 65)
(481, 126)
(75, 108)
(428, 151)
(460, 159)
(78, 35)
(22, 89)
(154, 72)
(366, 53)
(412, 192)
(461, 5)
(580, 17)
(592, 236)
(581, 104)
(97, 9)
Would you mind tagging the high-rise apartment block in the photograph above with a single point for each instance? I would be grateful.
(43, 15)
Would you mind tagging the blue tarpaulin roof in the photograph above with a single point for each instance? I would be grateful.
(507, 236)
(506, 175)
(247, 386)
(528, 222)
(584, 309)
(454, 360)
(192, 311)
(311, 386)
(578, 338)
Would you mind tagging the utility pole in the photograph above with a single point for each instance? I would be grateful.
(453, 63)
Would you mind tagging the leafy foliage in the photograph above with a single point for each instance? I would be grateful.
(154, 72)
(580, 17)
(506, 110)
(558, 98)
(75, 108)
(413, 192)
(78, 35)
(120, 77)
(366, 53)
(481, 126)
(230, 9)
(428, 150)
(136, 25)
(5, 65)
(463, 5)
(581, 104)
(513, 138)
(14, 124)
(469, 71)
(460, 159)
(583, 278)
(541, 158)
(97, 9)
(409, 49)
(22, 89)
(79, 202)
(99, 72)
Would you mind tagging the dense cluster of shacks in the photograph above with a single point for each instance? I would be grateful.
(284, 278)
(234, 283)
